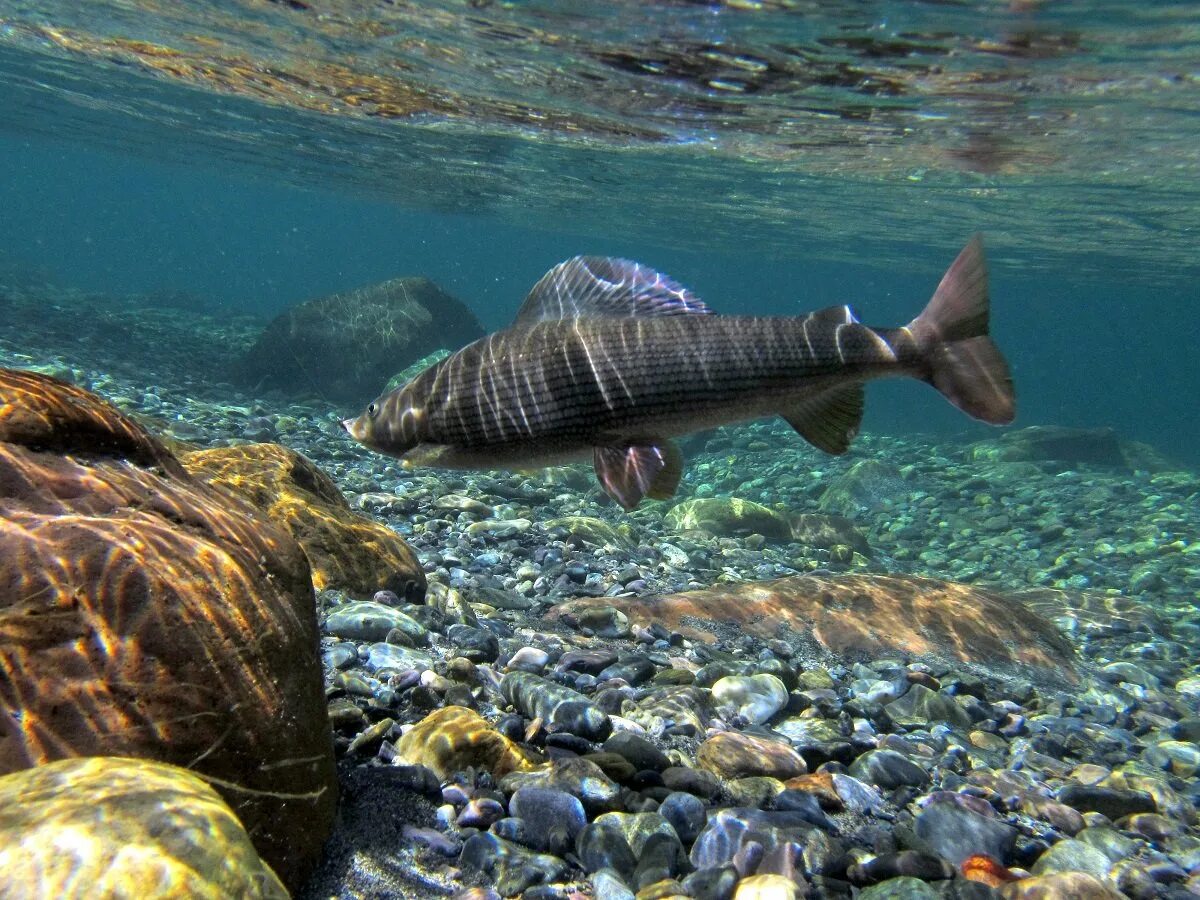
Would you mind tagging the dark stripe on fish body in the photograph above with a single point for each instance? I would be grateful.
(583, 377)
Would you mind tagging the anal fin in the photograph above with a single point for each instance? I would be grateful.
(830, 420)
(634, 471)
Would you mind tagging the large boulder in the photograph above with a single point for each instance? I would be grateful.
(144, 613)
(866, 616)
(345, 347)
(111, 827)
(1056, 448)
(346, 551)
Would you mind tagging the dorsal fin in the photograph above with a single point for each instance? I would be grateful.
(834, 315)
(603, 286)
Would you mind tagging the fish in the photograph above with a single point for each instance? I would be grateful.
(610, 359)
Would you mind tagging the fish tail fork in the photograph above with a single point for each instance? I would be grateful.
(951, 334)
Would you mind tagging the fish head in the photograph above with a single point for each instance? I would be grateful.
(392, 424)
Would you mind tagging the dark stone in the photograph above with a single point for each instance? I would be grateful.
(476, 644)
(590, 662)
(912, 863)
(702, 783)
(553, 818)
(1115, 803)
(1068, 447)
(559, 707)
(631, 669)
(345, 347)
(602, 845)
(662, 857)
(640, 752)
(686, 813)
(807, 805)
(714, 883)
(888, 770)
(511, 867)
(954, 832)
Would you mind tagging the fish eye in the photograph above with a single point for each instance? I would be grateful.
(373, 410)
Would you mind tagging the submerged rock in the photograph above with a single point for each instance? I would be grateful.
(561, 708)
(727, 517)
(1054, 444)
(346, 551)
(868, 485)
(868, 615)
(346, 346)
(148, 614)
(112, 827)
(454, 738)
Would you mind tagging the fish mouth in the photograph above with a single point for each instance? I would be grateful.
(354, 428)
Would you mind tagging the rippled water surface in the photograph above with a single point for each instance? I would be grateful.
(1067, 130)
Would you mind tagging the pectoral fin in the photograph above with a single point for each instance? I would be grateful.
(634, 471)
(830, 420)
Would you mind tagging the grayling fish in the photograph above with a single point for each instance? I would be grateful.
(612, 359)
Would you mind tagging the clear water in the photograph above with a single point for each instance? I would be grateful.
(774, 156)
(174, 174)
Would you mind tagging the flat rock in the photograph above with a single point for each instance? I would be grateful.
(1057, 445)
(346, 346)
(868, 485)
(147, 614)
(728, 517)
(131, 826)
(826, 532)
(366, 620)
(590, 530)
(865, 616)
(346, 551)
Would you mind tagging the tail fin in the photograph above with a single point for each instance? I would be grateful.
(952, 331)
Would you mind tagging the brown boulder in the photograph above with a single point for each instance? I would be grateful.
(345, 346)
(730, 754)
(345, 550)
(146, 614)
(866, 615)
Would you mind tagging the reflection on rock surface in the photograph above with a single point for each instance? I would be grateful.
(146, 614)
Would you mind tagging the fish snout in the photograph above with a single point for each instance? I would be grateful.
(354, 428)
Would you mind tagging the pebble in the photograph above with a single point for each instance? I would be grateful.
(756, 698)
(553, 818)
(955, 833)
(731, 754)
(558, 706)
(888, 770)
(365, 620)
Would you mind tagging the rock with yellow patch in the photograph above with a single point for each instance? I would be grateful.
(455, 738)
(346, 551)
(144, 613)
(113, 827)
(728, 517)
(766, 887)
